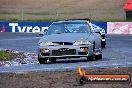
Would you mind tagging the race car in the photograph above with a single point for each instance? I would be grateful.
(128, 9)
(95, 29)
(69, 39)
(101, 31)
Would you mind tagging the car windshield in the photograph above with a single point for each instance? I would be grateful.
(69, 27)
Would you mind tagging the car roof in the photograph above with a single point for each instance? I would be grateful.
(84, 21)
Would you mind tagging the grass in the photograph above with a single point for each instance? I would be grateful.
(5, 12)
(50, 10)
(28, 20)
(54, 20)
(4, 56)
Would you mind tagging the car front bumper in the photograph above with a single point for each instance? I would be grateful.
(65, 51)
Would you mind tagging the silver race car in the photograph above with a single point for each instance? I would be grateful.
(69, 39)
(101, 31)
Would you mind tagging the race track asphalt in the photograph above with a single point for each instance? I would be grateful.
(118, 53)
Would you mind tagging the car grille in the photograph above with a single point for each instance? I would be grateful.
(63, 52)
(62, 43)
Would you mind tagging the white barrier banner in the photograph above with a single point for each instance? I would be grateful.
(119, 27)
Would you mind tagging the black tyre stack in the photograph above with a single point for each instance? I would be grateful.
(129, 15)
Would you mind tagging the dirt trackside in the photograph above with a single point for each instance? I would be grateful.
(62, 9)
(58, 79)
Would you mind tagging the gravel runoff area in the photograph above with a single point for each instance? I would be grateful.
(65, 79)
(22, 58)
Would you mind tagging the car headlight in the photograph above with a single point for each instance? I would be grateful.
(82, 42)
(45, 43)
(48, 43)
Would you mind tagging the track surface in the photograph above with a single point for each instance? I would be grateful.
(118, 52)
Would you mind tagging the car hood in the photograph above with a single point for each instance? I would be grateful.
(66, 37)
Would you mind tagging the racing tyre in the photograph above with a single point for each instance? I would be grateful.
(103, 44)
(92, 58)
(52, 60)
(129, 15)
(97, 57)
(42, 60)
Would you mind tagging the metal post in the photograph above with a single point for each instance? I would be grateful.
(22, 14)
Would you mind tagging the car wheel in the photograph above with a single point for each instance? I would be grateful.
(103, 44)
(52, 60)
(42, 60)
(90, 58)
(97, 57)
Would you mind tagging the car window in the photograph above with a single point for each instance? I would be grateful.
(69, 27)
